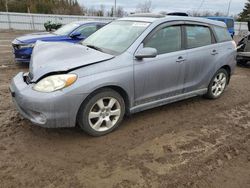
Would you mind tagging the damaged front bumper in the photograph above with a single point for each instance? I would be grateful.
(51, 110)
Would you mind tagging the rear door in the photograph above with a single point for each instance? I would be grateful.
(163, 76)
(202, 54)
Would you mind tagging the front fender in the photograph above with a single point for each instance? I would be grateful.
(122, 78)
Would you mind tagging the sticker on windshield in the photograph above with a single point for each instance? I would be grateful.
(140, 24)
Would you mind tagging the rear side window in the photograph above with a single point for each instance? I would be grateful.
(222, 34)
(198, 36)
(165, 40)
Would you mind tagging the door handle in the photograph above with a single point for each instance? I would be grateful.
(180, 59)
(214, 52)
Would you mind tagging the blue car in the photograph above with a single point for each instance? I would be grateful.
(73, 33)
(228, 21)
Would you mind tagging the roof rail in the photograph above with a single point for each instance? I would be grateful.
(177, 14)
(149, 15)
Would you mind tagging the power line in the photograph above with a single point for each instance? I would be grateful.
(115, 13)
(229, 6)
(202, 2)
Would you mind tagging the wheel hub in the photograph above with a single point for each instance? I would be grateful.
(104, 114)
(219, 84)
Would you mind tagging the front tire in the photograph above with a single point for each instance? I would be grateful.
(102, 112)
(218, 84)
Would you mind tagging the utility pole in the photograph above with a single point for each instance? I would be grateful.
(229, 6)
(6, 6)
(7, 11)
(115, 10)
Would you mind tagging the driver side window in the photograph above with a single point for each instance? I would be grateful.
(87, 30)
(166, 40)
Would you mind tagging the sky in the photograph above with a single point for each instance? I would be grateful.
(173, 5)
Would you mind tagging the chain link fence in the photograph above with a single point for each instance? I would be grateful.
(24, 21)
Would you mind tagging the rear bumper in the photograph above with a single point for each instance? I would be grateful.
(50, 110)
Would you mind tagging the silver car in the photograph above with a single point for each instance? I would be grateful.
(130, 65)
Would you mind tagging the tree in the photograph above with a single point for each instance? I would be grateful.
(3, 5)
(120, 12)
(75, 8)
(92, 11)
(244, 15)
(163, 12)
(43, 6)
(206, 14)
(102, 10)
(111, 12)
(145, 7)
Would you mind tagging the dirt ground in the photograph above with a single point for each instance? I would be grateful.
(192, 143)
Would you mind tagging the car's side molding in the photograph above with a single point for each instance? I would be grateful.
(168, 100)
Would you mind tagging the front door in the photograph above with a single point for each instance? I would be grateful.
(163, 76)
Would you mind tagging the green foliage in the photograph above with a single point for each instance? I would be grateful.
(245, 14)
(70, 7)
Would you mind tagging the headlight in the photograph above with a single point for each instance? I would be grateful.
(55, 82)
(31, 45)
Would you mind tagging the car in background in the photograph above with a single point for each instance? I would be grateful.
(130, 65)
(243, 49)
(49, 26)
(73, 32)
(229, 21)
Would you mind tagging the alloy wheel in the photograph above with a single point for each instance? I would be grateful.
(219, 84)
(104, 114)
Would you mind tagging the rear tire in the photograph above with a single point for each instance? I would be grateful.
(218, 84)
(101, 113)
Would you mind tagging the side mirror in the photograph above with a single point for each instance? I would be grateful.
(75, 34)
(146, 53)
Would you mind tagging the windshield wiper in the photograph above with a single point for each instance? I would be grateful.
(94, 47)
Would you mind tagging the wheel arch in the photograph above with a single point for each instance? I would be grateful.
(124, 95)
(116, 88)
(228, 69)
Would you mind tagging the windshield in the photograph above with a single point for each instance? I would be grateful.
(66, 29)
(116, 37)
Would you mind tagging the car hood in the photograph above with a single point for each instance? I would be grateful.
(61, 57)
(33, 37)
